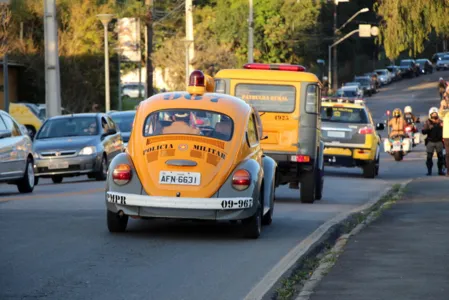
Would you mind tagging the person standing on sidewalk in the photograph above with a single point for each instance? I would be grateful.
(444, 113)
(433, 128)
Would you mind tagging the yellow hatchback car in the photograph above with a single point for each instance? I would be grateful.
(193, 155)
(350, 136)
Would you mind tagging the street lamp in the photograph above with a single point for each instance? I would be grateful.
(336, 31)
(105, 19)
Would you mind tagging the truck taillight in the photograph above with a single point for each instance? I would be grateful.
(241, 180)
(300, 158)
(121, 174)
(366, 130)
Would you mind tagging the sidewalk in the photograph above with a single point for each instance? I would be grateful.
(402, 255)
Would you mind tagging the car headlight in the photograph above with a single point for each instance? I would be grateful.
(88, 150)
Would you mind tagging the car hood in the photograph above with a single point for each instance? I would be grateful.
(64, 143)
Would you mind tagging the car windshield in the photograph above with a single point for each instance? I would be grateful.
(381, 72)
(347, 93)
(268, 97)
(71, 126)
(191, 122)
(124, 121)
(363, 81)
(405, 63)
(343, 115)
(352, 84)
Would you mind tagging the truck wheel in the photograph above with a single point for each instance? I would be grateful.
(319, 184)
(116, 223)
(369, 170)
(253, 225)
(268, 218)
(308, 188)
(26, 184)
(398, 156)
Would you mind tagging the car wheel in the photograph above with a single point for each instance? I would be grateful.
(91, 175)
(268, 218)
(26, 184)
(56, 179)
(398, 156)
(36, 180)
(307, 187)
(103, 172)
(253, 225)
(369, 170)
(116, 223)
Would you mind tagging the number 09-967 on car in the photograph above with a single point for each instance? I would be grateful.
(193, 155)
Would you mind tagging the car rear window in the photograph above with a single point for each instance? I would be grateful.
(343, 115)
(190, 122)
(347, 93)
(268, 97)
(124, 121)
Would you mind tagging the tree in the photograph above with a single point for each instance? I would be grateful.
(5, 19)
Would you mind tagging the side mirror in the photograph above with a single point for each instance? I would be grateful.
(5, 134)
(380, 126)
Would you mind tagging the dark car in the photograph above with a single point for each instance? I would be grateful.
(78, 144)
(368, 85)
(425, 66)
(395, 71)
(438, 56)
(124, 121)
(409, 68)
(375, 78)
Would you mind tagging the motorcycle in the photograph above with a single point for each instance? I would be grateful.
(397, 146)
(412, 133)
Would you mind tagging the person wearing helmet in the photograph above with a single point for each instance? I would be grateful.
(397, 123)
(409, 116)
(434, 142)
(181, 124)
(442, 85)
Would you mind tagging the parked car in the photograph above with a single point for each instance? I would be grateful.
(174, 170)
(368, 85)
(443, 63)
(350, 92)
(124, 120)
(78, 144)
(425, 66)
(395, 72)
(16, 154)
(375, 78)
(384, 76)
(409, 68)
(438, 56)
(131, 90)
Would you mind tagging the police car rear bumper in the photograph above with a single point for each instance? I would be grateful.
(181, 208)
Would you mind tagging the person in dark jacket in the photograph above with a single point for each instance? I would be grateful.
(442, 85)
(433, 128)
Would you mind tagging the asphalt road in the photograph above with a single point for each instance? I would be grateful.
(54, 244)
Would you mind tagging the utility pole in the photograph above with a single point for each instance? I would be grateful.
(334, 60)
(5, 82)
(149, 47)
(250, 33)
(52, 77)
(189, 35)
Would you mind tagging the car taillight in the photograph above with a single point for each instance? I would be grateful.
(366, 130)
(241, 180)
(300, 158)
(121, 174)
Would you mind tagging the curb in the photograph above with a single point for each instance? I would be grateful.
(327, 234)
(329, 260)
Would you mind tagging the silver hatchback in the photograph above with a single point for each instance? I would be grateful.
(16, 154)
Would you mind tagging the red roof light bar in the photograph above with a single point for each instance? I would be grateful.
(278, 67)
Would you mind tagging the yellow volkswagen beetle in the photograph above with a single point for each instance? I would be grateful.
(193, 155)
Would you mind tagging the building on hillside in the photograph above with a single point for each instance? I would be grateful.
(14, 71)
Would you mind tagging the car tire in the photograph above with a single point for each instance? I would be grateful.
(116, 223)
(102, 173)
(57, 179)
(369, 170)
(268, 218)
(398, 156)
(26, 184)
(307, 188)
(91, 175)
(36, 180)
(253, 225)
